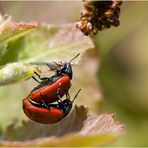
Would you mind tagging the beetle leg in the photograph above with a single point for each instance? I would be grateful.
(45, 79)
(58, 94)
(35, 79)
(52, 67)
(42, 79)
(59, 99)
(38, 75)
(67, 96)
(58, 91)
(59, 65)
(43, 102)
(35, 103)
(56, 69)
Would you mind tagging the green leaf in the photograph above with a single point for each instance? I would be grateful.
(68, 141)
(54, 43)
(47, 44)
(80, 128)
(10, 30)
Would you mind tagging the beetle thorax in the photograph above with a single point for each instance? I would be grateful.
(67, 69)
(66, 106)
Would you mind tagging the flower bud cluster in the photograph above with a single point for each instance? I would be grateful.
(99, 15)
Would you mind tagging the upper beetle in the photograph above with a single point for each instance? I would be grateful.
(48, 113)
(55, 87)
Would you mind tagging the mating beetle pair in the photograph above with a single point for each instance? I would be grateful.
(39, 107)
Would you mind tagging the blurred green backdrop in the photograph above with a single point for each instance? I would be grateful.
(123, 74)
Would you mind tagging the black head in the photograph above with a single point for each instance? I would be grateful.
(66, 105)
(67, 68)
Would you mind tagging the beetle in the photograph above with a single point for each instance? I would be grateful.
(48, 113)
(51, 91)
(56, 86)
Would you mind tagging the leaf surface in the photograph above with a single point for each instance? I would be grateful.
(80, 128)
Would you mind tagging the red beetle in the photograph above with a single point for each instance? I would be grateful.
(55, 87)
(49, 113)
(51, 91)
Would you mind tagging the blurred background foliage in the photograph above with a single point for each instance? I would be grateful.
(123, 72)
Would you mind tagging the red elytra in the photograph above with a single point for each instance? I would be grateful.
(50, 92)
(42, 115)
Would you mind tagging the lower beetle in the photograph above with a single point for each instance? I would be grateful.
(48, 113)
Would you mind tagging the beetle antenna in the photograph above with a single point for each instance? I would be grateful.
(74, 58)
(76, 95)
